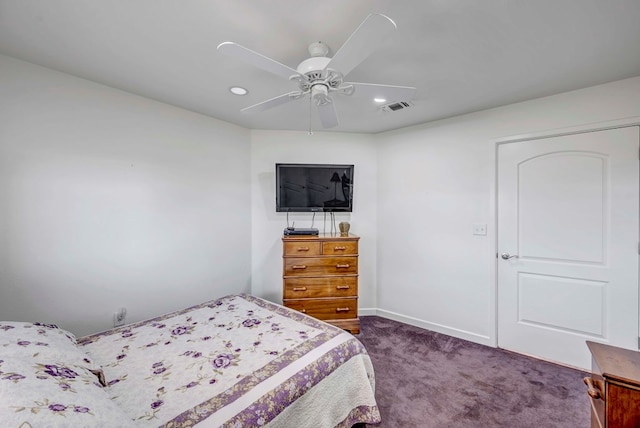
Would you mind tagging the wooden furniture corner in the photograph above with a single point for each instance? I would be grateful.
(614, 386)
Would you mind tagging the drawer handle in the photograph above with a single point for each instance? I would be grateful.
(302, 249)
(342, 309)
(342, 287)
(299, 267)
(304, 311)
(339, 248)
(593, 390)
(299, 288)
(343, 266)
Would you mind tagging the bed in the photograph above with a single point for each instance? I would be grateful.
(238, 361)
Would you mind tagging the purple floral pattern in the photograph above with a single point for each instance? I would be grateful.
(222, 361)
(58, 371)
(217, 352)
(14, 377)
(41, 342)
(46, 393)
(252, 322)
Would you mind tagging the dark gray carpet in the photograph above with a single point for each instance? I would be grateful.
(427, 379)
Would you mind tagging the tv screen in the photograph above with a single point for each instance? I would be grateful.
(314, 188)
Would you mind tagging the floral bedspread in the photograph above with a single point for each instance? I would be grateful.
(239, 361)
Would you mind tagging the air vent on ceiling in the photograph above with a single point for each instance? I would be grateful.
(397, 106)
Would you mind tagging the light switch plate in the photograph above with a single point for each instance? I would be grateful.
(479, 228)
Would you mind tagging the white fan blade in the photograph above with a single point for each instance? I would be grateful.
(367, 37)
(256, 59)
(389, 93)
(328, 115)
(273, 102)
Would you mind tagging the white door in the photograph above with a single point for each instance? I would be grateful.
(568, 244)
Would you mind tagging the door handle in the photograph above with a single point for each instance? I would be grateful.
(507, 256)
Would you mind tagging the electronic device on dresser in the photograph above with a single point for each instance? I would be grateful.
(320, 277)
(300, 231)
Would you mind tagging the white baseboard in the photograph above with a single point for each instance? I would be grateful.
(438, 328)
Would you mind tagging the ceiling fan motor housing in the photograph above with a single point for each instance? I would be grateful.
(315, 72)
(314, 66)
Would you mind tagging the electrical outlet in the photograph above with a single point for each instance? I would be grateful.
(119, 316)
(479, 228)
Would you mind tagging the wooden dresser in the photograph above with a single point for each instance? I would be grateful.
(614, 387)
(320, 278)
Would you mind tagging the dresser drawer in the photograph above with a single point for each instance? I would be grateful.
(326, 309)
(331, 248)
(304, 248)
(300, 266)
(305, 288)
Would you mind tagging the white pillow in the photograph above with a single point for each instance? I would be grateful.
(54, 394)
(38, 341)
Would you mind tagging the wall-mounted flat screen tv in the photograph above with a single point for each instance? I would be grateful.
(314, 187)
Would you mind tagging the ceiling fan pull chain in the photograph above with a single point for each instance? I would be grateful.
(310, 131)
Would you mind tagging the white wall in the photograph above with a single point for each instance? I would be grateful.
(435, 181)
(108, 200)
(271, 147)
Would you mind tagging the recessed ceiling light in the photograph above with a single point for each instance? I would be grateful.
(237, 90)
(379, 100)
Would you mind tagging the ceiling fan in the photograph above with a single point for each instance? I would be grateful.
(321, 77)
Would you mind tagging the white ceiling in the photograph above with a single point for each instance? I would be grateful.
(462, 55)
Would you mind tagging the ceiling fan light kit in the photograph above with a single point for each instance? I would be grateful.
(320, 77)
(320, 94)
